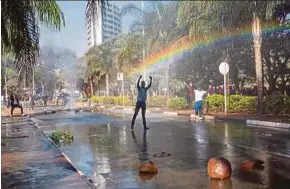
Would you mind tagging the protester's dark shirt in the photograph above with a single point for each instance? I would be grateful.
(14, 101)
(142, 94)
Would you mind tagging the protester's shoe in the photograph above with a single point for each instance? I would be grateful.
(200, 118)
(132, 127)
(22, 114)
(146, 128)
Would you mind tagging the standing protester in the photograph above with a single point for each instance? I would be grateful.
(199, 96)
(14, 102)
(141, 101)
(45, 98)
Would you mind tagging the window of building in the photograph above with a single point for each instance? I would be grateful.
(116, 18)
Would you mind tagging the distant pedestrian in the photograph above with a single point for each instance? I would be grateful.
(32, 102)
(199, 96)
(141, 101)
(45, 98)
(14, 102)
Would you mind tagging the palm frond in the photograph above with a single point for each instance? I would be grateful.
(49, 14)
(20, 25)
(93, 6)
(132, 9)
(135, 25)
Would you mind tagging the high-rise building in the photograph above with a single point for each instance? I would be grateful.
(106, 23)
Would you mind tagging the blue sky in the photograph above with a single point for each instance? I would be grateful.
(74, 34)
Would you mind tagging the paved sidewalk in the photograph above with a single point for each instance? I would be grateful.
(29, 160)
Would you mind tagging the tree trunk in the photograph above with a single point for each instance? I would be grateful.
(107, 84)
(257, 39)
(92, 86)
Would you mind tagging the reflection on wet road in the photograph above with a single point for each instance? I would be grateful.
(108, 152)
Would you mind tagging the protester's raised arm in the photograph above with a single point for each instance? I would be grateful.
(150, 82)
(138, 82)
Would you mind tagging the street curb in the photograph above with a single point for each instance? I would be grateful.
(268, 124)
(80, 173)
(171, 113)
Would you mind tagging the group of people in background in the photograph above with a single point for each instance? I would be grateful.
(219, 89)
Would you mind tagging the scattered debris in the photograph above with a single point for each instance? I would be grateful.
(148, 167)
(249, 165)
(266, 134)
(61, 137)
(219, 168)
(162, 154)
(11, 137)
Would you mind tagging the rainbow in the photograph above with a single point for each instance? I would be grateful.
(187, 44)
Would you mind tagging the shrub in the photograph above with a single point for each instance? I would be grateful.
(236, 103)
(277, 103)
(176, 103)
(113, 100)
(241, 104)
(215, 103)
(157, 101)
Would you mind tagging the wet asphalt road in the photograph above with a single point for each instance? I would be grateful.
(29, 160)
(108, 153)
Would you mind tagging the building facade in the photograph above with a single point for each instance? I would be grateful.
(106, 23)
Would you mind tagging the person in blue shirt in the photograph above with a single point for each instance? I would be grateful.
(141, 101)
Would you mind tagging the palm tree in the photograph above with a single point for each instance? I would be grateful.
(257, 40)
(259, 12)
(160, 28)
(20, 29)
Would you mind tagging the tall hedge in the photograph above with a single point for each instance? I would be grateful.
(273, 104)
(176, 103)
(236, 103)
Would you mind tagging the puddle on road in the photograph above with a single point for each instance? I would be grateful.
(106, 151)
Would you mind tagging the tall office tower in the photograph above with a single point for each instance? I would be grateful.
(106, 23)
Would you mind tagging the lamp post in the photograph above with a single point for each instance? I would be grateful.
(120, 77)
(143, 34)
(224, 69)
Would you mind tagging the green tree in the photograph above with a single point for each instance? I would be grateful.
(20, 28)
(276, 60)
